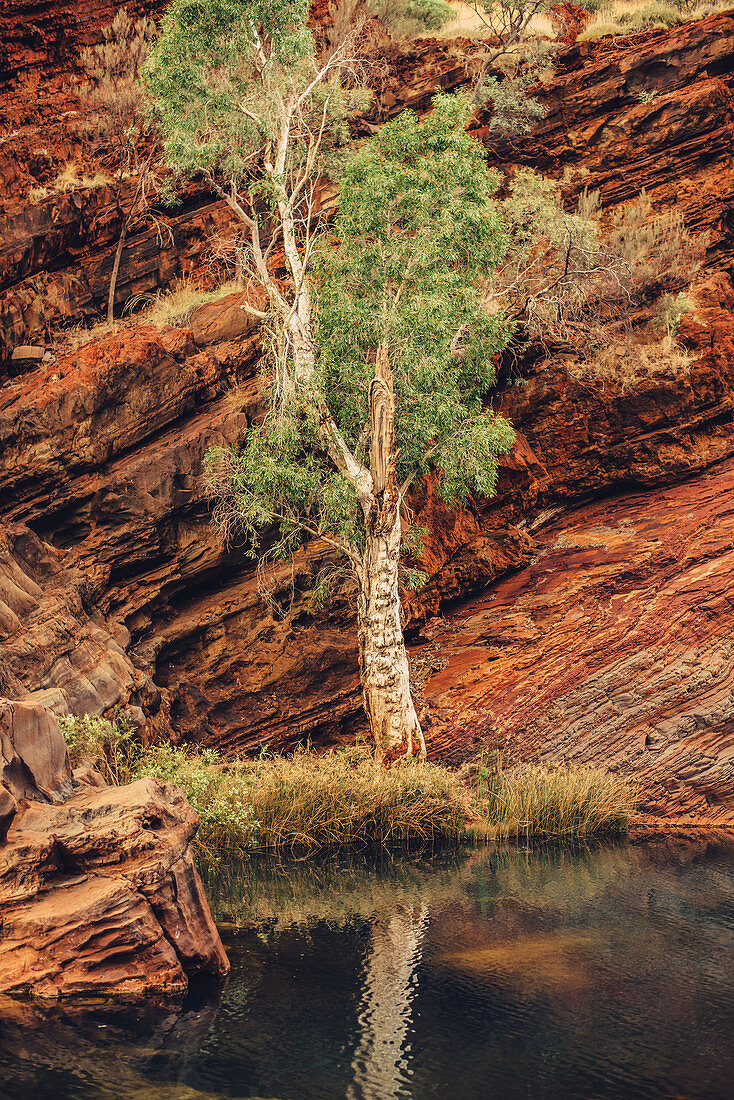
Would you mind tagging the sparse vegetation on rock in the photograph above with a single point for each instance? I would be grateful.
(118, 126)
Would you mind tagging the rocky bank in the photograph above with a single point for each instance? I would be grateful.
(98, 888)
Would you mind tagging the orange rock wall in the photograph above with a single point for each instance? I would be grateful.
(101, 457)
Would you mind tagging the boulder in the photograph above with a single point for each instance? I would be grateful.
(100, 894)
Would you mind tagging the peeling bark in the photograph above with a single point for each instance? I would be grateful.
(383, 658)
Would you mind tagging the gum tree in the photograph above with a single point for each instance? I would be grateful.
(382, 353)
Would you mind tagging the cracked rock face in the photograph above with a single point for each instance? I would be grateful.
(100, 894)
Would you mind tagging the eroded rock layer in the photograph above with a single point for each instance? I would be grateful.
(614, 645)
(99, 894)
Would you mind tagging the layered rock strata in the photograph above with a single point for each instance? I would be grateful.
(98, 888)
(99, 894)
(101, 450)
(613, 647)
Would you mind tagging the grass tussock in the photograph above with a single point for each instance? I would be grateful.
(631, 367)
(308, 803)
(633, 16)
(532, 800)
(70, 178)
(174, 309)
(342, 800)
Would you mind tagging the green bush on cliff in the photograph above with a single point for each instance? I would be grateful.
(220, 798)
(110, 745)
(652, 15)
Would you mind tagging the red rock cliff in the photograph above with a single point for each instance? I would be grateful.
(134, 599)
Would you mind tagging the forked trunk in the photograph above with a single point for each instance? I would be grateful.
(383, 658)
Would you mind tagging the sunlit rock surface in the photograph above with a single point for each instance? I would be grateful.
(100, 895)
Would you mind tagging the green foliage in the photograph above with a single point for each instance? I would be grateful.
(222, 71)
(671, 309)
(513, 110)
(410, 17)
(221, 799)
(417, 227)
(107, 743)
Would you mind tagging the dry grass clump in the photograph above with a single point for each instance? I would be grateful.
(629, 366)
(633, 16)
(70, 178)
(341, 799)
(175, 308)
(532, 800)
(71, 339)
(307, 803)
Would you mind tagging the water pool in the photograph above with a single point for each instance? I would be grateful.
(541, 974)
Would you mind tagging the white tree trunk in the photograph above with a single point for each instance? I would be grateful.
(115, 272)
(383, 658)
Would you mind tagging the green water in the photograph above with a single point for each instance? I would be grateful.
(590, 975)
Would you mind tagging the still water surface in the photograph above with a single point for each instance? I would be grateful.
(603, 974)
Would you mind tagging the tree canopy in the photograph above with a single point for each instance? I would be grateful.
(417, 228)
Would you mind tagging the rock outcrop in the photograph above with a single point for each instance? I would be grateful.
(99, 894)
(614, 647)
(98, 888)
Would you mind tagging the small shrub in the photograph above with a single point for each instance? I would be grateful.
(110, 744)
(175, 308)
(600, 29)
(513, 110)
(220, 796)
(408, 18)
(671, 309)
(630, 366)
(658, 248)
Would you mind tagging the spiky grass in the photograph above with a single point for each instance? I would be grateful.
(307, 803)
(535, 801)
